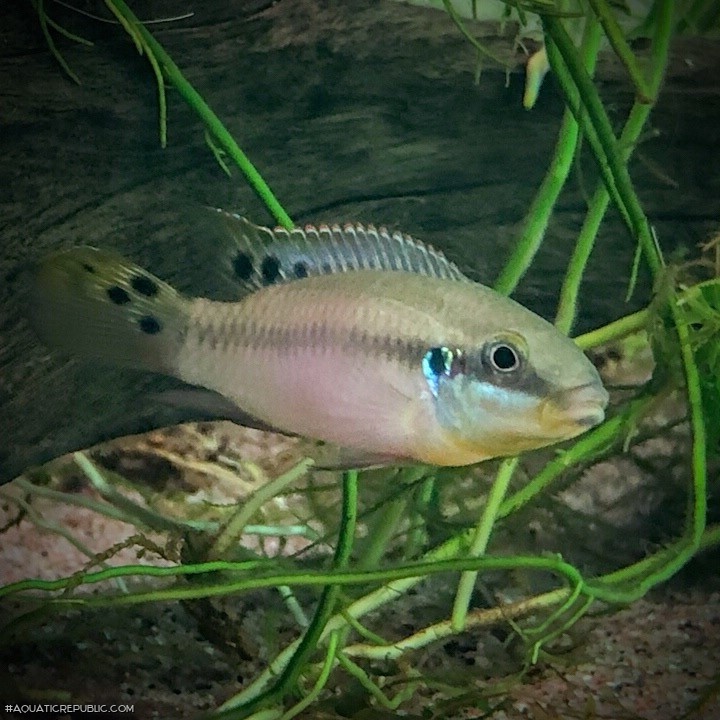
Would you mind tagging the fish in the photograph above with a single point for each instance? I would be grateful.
(263, 255)
(381, 347)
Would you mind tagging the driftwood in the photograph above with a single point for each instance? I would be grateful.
(361, 110)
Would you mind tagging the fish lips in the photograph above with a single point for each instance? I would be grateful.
(581, 407)
(586, 404)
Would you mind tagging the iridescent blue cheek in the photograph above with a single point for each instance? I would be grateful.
(435, 363)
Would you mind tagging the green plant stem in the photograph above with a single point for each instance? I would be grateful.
(516, 610)
(698, 515)
(235, 526)
(381, 531)
(132, 28)
(404, 575)
(373, 689)
(57, 496)
(583, 101)
(480, 540)
(709, 539)
(563, 57)
(538, 216)
(288, 677)
(596, 211)
(45, 21)
(570, 290)
(134, 513)
(575, 81)
(540, 212)
(477, 45)
(417, 534)
(598, 440)
(437, 558)
(633, 582)
(567, 305)
(312, 696)
(44, 525)
(476, 618)
(198, 104)
(612, 331)
(615, 35)
(269, 714)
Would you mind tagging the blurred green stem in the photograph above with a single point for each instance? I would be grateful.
(480, 540)
(45, 24)
(538, 216)
(612, 331)
(312, 696)
(573, 78)
(613, 31)
(381, 530)
(307, 645)
(582, 100)
(156, 53)
(134, 513)
(473, 41)
(567, 306)
(591, 115)
(423, 499)
(235, 526)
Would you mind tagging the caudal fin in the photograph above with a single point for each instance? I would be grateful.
(94, 303)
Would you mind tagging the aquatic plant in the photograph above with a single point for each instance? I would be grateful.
(682, 325)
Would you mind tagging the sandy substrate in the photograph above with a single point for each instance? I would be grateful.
(655, 660)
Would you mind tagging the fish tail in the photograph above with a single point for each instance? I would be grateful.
(94, 303)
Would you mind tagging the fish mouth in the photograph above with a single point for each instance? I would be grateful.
(585, 404)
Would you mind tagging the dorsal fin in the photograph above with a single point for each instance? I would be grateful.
(265, 256)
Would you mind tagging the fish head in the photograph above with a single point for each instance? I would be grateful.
(517, 390)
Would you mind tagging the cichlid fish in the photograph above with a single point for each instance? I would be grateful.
(264, 256)
(355, 336)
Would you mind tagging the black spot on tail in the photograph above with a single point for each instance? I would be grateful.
(117, 295)
(87, 267)
(300, 269)
(270, 269)
(144, 285)
(150, 325)
(243, 266)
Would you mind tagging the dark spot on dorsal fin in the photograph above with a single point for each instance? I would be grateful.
(150, 325)
(270, 269)
(243, 265)
(118, 295)
(300, 269)
(144, 285)
(88, 268)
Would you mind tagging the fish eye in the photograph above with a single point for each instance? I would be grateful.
(503, 356)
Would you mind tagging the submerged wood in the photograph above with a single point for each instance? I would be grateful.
(358, 111)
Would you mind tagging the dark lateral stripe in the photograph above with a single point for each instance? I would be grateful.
(228, 333)
(225, 334)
